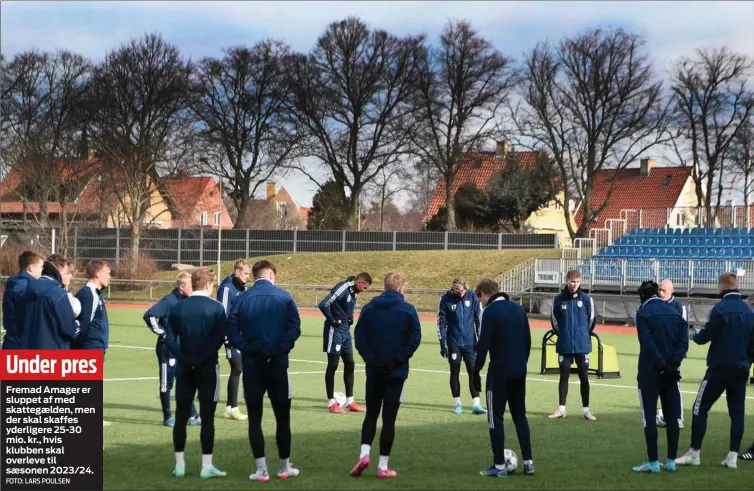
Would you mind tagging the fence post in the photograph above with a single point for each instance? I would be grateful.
(295, 238)
(179, 245)
(446, 240)
(395, 240)
(500, 240)
(117, 246)
(248, 237)
(344, 241)
(201, 247)
(75, 242)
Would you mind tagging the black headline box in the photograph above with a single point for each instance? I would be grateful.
(51, 435)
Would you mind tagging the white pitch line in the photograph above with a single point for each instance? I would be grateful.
(425, 370)
(133, 379)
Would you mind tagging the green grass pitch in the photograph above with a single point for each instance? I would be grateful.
(434, 448)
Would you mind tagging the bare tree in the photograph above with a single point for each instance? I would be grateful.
(139, 117)
(42, 96)
(350, 97)
(742, 157)
(241, 118)
(461, 87)
(386, 185)
(712, 100)
(422, 185)
(593, 103)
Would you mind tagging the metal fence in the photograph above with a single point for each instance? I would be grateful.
(625, 275)
(200, 247)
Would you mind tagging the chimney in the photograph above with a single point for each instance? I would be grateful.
(646, 167)
(503, 147)
(270, 190)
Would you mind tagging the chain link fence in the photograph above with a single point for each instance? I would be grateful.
(200, 247)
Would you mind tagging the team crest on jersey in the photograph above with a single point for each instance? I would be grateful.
(467, 303)
(349, 298)
(454, 356)
(564, 306)
(580, 303)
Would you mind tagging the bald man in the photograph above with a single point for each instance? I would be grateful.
(666, 291)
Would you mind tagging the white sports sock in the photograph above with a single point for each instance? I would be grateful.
(383, 462)
(499, 467)
(528, 462)
(330, 402)
(262, 464)
(475, 401)
(732, 456)
(179, 461)
(586, 410)
(349, 401)
(284, 465)
(365, 451)
(206, 461)
(561, 409)
(693, 453)
(457, 401)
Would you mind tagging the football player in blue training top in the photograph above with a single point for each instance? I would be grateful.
(265, 324)
(387, 336)
(232, 286)
(573, 320)
(506, 336)
(730, 332)
(666, 291)
(44, 312)
(664, 341)
(29, 268)
(338, 308)
(458, 325)
(194, 333)
(156, 318)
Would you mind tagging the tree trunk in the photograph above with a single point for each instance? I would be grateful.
(135, 236)
(450, 205)
(241, 206)
(354, 214)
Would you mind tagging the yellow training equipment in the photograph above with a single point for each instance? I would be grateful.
(607, 357)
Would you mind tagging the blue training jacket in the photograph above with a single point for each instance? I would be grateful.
(730, 332)
(573, 319)
(47, 316)
(388, 333)
(15, 289)
(679, 306)
(663, 337)
(156, 317)
(506, 335)
(227, 294)
(339, 304)
(93, 323)
(458, 320)
(264, 321)
(196, 329)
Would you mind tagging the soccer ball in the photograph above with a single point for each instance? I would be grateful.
(340, 399)
(511, 460)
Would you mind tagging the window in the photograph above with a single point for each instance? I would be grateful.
(203, 219)
(216, 220)
(667, 180)
(283, 209)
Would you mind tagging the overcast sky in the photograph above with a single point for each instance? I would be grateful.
(672, 29)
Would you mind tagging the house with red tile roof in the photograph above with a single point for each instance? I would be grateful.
(479, 168)
(196, 202)
(651, 189)
(181, 201)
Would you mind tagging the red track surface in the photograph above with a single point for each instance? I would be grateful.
(535, 323)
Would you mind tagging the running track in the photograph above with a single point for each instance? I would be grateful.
(535, 323)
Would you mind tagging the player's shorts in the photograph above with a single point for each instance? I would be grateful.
(204, 379)
(580, 359)
(457, 355)
(337, 340)
(269, 376)
(382, 387)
